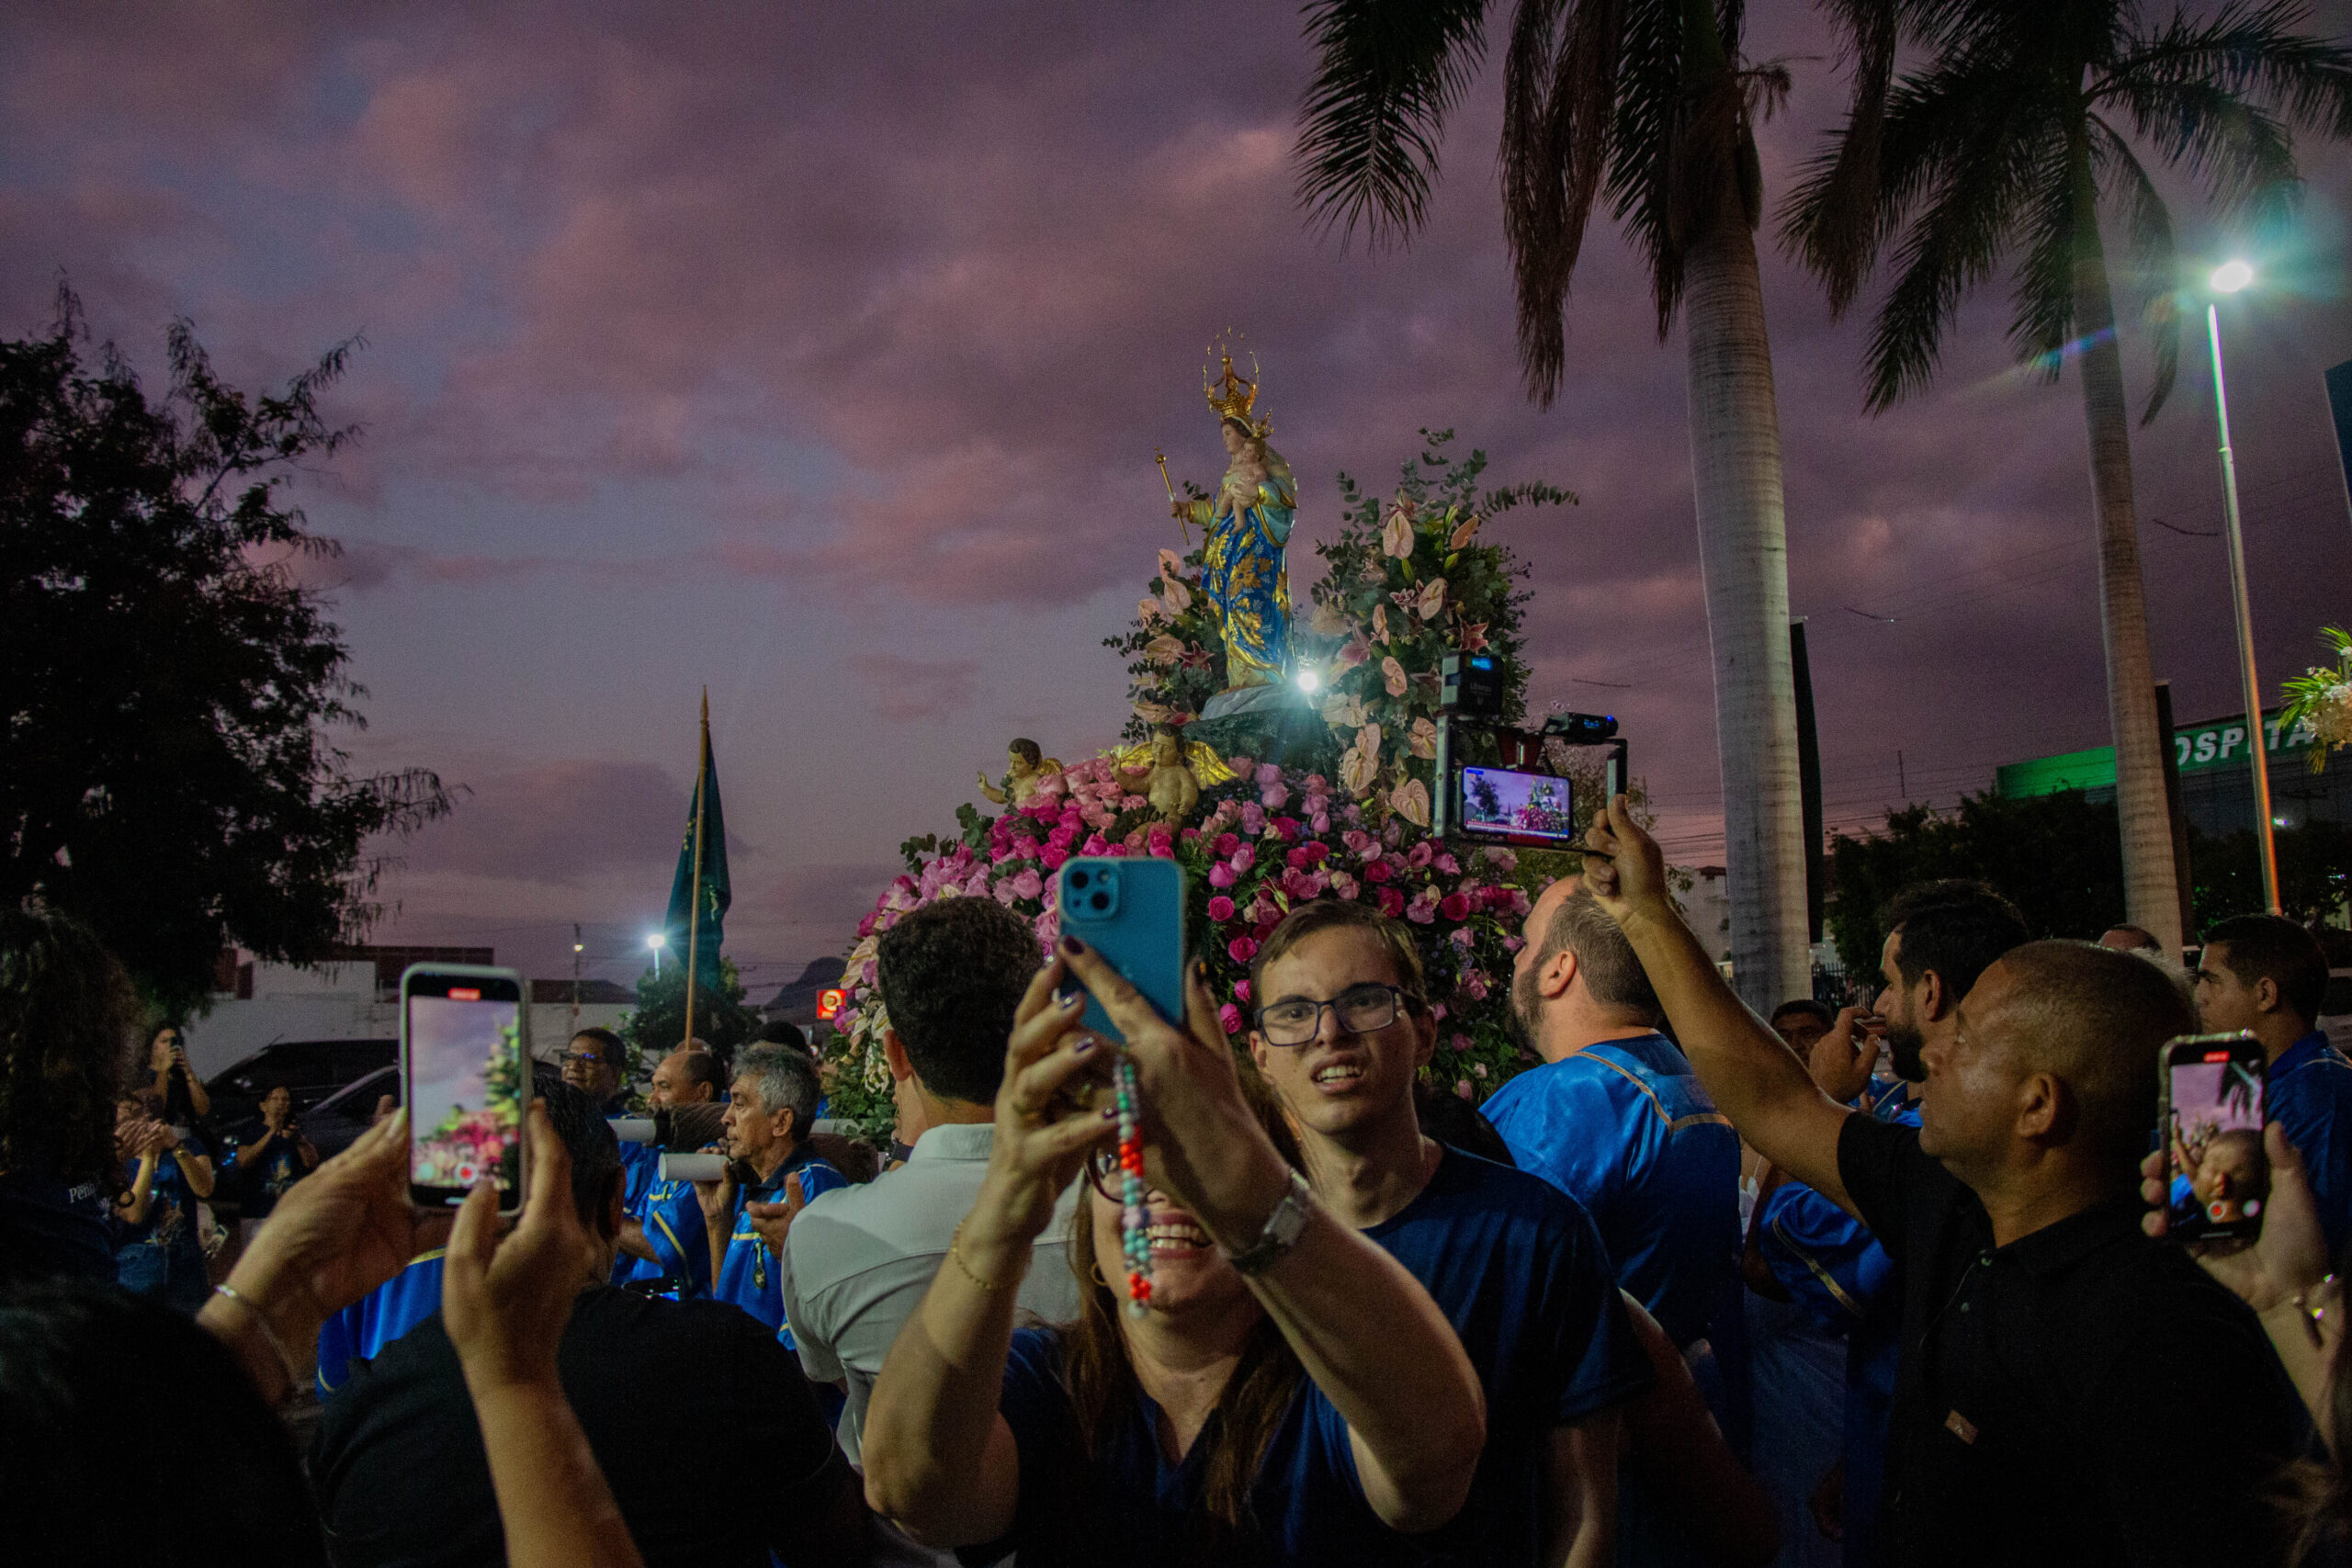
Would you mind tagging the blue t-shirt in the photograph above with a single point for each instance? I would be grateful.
(171, 1217)
(1517, 1269)
(674, 1228)
(640, 1168)
(2308, 1092)
(1623, 1128)
(360, 1331)
(1126, 1503)
(747, 1274)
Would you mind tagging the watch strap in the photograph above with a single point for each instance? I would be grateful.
(1281, 1232)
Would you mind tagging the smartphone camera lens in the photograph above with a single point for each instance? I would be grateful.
(1101, 901)
(1080, 878)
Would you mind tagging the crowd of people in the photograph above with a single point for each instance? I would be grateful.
(1882, 1284)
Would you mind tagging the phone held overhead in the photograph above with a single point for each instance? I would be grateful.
(464, 1061)
(1497, 783)
(2211, 1088)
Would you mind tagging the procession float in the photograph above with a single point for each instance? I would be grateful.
(1279, 758)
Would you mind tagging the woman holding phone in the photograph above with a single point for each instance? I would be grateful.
(1291, 1390)
(176, 1085)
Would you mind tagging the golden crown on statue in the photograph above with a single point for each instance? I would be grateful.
(1232, 396)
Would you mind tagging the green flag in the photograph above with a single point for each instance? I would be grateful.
(713, 895)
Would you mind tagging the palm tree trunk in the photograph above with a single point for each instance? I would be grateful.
(1744, 562)
(2151, 889)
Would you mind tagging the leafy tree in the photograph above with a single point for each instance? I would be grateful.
(2314, 864)
(2056, 855)
(167, 687)
(1648, 107)
(2007, 140)
(657, 1026)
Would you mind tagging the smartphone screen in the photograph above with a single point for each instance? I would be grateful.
(2220, 1175)
(1504, 803)
(461, 1038)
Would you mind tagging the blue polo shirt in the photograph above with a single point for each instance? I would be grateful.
(360, 1331)
(1517, 1269)
(747, 1274)
(640, 1168)
(1623, 1128)
(1128, 1503)
(1835, 1269)
(2308, 1092)
(673, 1228)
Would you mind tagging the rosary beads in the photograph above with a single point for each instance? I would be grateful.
(1135, 1211)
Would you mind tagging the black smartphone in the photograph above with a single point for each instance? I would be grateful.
(464, 1077)
(2218, 1173)
(1514, 806)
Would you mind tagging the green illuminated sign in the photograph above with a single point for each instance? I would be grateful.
(2197, 748)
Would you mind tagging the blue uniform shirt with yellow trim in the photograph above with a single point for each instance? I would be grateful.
(360, 1331)
(749, 1274)
(2308, 1092)
(1623, 1128)
(640, 1169)
(674, 1228)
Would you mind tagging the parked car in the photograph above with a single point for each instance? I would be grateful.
(312, 1069)
(336, 1122)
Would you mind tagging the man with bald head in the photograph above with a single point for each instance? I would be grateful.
(2070, 1390)
(655, 1254)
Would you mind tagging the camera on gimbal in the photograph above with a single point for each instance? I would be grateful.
(1517, 798)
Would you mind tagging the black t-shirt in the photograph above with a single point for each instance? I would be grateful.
(2083, 1395)
(51, 1226)
(703, 1425)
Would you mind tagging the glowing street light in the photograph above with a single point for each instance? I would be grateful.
(2228, 278)
(657, 941)
(1308, 680)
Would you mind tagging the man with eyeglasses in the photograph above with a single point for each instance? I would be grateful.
(1341, 1031)
(596, 1064)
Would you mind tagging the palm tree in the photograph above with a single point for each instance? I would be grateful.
(2007, 143)
(1649, 104)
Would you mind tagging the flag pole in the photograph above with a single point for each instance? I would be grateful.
(693, 907)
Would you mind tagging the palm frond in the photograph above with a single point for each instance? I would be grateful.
(1971, 170)
(2248, 51)
(1649, 104)
(1387, 73)
(2152, 271)
(2058, 221)
(1559, 96)
(2243, 157)
(1832, 225)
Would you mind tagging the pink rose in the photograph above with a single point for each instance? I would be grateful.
(1241, 988)
(865, 926)
(1320, 822)
(1274, 797)
(1226, 843)
(1357, 841)
(1454, 907)
(1028, 883)
(1462, 1088)
(1462, 938)
(1392, 902)
(1448, 864)
(1420, 914)
(1254, 819)
(1287, 826)
(1459, 1041)
(1229, 1016)
(1419, 855)
(1222, 874)
(1053, 855)
(1244, 856)
(1243, 767)
(1502, 859)
(1473, 985)
(1269, 776)
(1376, 871)
(1241, 949)
(1095, 845)
(1220, 907)
(1513, 944)
(1343, 884)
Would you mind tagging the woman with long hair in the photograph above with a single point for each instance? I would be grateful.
(66, 1016)
(178, 1090)
(1290, 1394)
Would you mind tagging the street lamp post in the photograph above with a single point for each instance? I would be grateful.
(657, 941)
(2228, 278)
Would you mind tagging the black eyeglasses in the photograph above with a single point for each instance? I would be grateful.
(1361, 1010)
(586, 1059)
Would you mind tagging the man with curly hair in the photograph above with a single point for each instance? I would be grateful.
(67, 1012)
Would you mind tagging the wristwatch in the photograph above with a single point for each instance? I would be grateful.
(1281, 1232)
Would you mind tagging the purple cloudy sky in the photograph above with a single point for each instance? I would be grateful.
(818, 354)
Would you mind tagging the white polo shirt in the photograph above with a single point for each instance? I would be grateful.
(859, 1258)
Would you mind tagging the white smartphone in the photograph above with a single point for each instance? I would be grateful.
(465, 1067)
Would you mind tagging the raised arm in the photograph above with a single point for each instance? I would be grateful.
(934, 1411)
(1752, 1074)
(1363, 1327)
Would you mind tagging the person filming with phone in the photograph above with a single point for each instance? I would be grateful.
(278, 1156)
(1289, 1392)
(2069, 1390)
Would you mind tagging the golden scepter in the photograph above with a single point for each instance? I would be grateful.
(1161, 458)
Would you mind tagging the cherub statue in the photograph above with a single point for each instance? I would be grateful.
(1247, 524)
(1027, 767)
(1170, 772)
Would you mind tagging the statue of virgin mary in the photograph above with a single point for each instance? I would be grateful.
(1247, 523)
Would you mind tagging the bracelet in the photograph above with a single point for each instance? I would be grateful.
(293, 1377)
(955, 1253)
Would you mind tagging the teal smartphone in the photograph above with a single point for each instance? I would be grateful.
(1131, 912)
